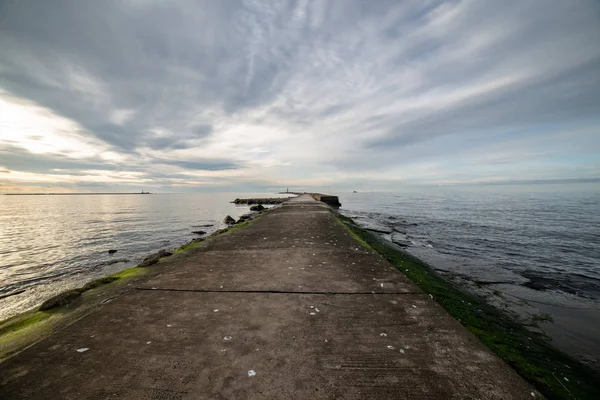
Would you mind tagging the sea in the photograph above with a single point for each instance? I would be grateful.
(531, 250)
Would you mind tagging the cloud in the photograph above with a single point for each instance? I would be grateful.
(282, 93)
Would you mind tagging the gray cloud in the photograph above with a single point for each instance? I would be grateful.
(212, 165)
(21, 160)
(352, 86)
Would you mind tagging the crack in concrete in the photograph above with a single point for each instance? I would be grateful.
(273, 291)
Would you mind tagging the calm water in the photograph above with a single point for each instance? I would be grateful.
(52, 243)
(547, 239)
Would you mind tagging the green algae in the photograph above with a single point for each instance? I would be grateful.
(24, 329)
(188, 246)
(129, 273)
(237, 226)
(24, 321)
(354, 235)
(553, 373)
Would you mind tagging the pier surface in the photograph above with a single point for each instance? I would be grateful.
(289, 307)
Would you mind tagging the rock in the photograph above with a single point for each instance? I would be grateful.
(401, 239)
(272, 200)
(164, 253)
(229, 220)
(112, 252)
(98, 282)
(60, 300)
(149, 262)
(154, 258)
(244, 218)
(257, 207)
(380, 230)
(199, 232)
(159, 254)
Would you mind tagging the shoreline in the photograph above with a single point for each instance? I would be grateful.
(523, 350)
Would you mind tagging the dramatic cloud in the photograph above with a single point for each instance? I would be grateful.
(198, 95)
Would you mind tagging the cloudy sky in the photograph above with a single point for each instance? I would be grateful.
(224, 95)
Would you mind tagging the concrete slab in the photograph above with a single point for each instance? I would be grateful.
(289, 269)
(286, 228)
(163, 344)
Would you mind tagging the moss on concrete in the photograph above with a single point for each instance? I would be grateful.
(23, 321)
(22, 330)
(188, 246)
(553, 373)
(129, 273)
(353, 234)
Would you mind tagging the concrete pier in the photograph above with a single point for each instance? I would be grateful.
(289, 307)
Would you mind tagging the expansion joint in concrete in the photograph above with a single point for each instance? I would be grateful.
(275, 291)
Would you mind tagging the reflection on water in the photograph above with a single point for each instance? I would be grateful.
(52, 243)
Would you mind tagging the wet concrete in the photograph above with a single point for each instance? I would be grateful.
(289, 307)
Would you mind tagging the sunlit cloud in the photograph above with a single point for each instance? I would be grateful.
(39, 130)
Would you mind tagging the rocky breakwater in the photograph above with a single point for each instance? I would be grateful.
(258, 200)
(328, 199)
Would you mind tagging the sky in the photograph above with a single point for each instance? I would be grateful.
(203, 95)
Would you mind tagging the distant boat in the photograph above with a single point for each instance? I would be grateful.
(144, 192)
(355, 191)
